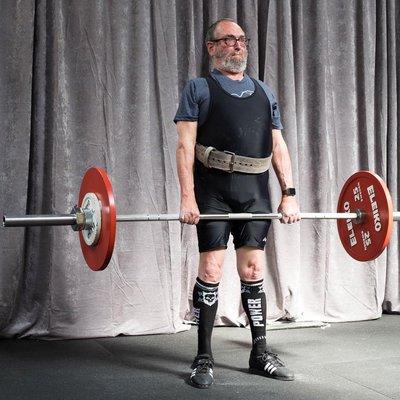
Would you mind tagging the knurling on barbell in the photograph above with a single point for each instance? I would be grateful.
(364, 217)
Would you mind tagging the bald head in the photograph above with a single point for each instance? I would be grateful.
(211, 33)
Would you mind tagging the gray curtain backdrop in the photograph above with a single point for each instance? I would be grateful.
(87, 83)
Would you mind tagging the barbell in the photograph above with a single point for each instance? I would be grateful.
(364, 217)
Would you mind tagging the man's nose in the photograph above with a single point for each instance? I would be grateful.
(237, 45)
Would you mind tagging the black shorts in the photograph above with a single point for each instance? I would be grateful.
(219, 192)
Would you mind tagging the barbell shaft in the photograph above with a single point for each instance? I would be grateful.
(70, 219)
(232, 216)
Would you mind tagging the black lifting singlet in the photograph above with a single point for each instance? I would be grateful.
(239, 125)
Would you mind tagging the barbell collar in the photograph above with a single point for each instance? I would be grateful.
(80, 218)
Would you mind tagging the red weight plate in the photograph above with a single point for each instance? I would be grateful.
(96, 181)
(367, 192)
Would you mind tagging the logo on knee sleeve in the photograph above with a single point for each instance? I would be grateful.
(208, 298)
(247, 288)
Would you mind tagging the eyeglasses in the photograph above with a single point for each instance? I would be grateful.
(232, 40)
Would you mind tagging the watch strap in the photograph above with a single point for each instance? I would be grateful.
(289, 192)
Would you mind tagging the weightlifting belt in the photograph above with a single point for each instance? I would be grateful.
(231, 162)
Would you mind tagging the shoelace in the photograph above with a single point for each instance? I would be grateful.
(204, 365)
(273, 358)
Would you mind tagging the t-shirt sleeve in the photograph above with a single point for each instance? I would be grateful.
(188, 109)
(275, 113)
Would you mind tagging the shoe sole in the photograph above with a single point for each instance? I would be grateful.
(265, 374)
(197, 386)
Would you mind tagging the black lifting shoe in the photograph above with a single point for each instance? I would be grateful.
(202, 374)
(268, 364)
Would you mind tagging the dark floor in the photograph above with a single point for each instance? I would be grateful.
(343, 361)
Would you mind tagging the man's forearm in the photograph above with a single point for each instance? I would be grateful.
(281, 162)
(283, 169)
(185, 156)
(185, 162)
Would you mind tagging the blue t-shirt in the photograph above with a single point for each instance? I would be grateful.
(195, 99)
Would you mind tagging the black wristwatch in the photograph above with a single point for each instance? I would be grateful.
(289, 192)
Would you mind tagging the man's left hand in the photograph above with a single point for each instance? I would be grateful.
(289, 210)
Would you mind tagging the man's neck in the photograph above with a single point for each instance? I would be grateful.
(235, 76)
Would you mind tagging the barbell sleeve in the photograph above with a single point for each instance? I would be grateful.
(39, 220)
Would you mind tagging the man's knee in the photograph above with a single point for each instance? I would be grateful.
(251, 271)
(210, 269)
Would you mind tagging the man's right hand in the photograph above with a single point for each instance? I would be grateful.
(189, 213)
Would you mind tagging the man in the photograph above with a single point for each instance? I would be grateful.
(229, 132)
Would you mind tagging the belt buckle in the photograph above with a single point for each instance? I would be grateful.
(232, 161)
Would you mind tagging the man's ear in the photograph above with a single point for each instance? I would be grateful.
(210, 48)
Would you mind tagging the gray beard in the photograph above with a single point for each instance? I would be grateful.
(231, 64)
